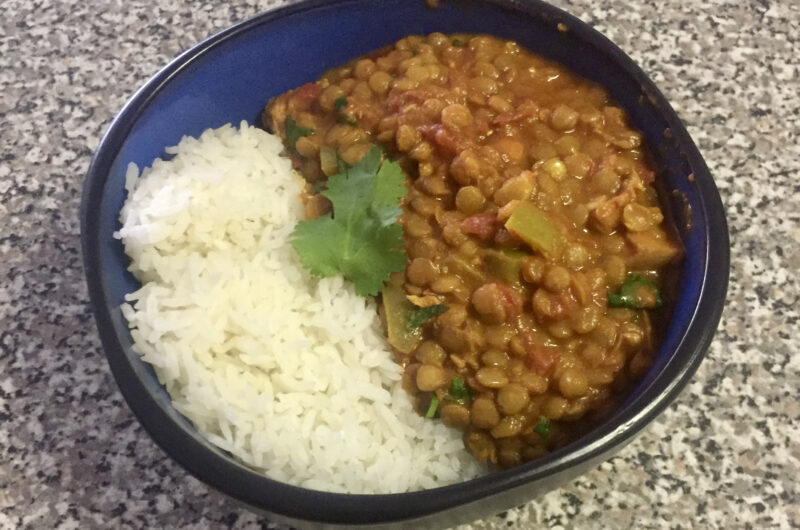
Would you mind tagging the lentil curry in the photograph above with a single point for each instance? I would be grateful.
(536, 248)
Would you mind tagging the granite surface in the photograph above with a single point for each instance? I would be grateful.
(724, 455)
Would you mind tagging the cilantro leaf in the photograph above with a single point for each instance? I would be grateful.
(636, 292)
(542, 427)
(420, 315)
(361, 240)
(459, 43)
(459, 390)
(341, 103)
(294, 132)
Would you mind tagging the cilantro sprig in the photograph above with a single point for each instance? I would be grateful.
(433, 407)
(361, 239)
(418, 316)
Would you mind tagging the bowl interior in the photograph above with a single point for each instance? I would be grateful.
(230, 77)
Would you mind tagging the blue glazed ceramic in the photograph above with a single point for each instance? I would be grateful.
(230, 76)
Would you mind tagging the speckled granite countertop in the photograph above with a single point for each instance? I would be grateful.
(725, 454)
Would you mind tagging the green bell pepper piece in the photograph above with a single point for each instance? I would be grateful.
(535, 228)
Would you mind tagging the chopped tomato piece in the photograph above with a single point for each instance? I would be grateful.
(482, 225)
(306, 94)
(541, 359)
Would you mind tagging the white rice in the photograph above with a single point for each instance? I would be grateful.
(289, 373)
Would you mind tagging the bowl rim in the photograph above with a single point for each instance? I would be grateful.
(299, 503)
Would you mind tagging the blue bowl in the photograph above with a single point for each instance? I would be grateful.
(231, 75)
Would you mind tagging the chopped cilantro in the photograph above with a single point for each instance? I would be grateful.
(432, 408)
(459, 43)
(542, 427)
(636, 292)
(294, 132)
(418, 316)
(340, 104)
(459, 390)
(361, 239)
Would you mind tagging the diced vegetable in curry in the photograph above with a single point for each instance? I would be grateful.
(536, 249)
